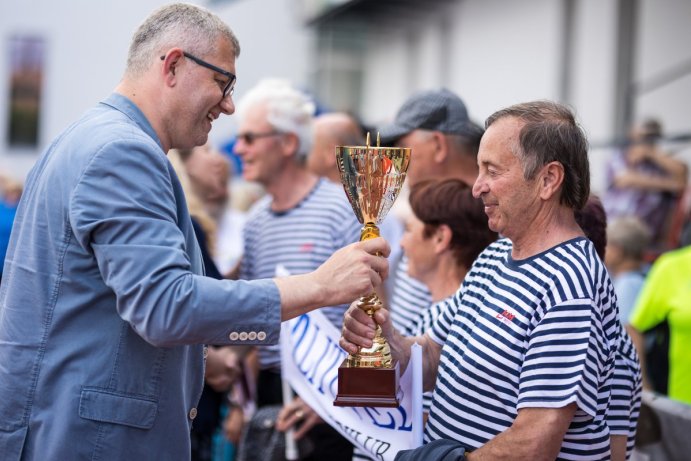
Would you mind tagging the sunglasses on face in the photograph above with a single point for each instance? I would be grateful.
(249, 137)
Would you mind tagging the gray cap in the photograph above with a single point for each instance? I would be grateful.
(435, 110)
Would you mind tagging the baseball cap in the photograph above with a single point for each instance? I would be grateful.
(435, 110)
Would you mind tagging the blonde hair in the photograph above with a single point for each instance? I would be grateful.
(629, 234)
(194, 203)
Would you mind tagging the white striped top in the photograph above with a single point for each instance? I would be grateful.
(300, 239)
(539, 332)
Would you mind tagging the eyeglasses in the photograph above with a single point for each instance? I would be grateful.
(250, 137)
(229, 87)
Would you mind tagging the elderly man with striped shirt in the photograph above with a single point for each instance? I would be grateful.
(301, 221)
(521, 359)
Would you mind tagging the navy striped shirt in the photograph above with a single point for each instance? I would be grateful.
(409, 299)
(300, 240)
(625, 401)
(539, 332)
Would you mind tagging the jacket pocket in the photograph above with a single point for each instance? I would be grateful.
(118, 408)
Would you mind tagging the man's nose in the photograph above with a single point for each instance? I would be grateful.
(227, 105)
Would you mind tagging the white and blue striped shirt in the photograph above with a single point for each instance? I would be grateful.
(300, 240)
(539, 332)
(627, 385)
(409, 299)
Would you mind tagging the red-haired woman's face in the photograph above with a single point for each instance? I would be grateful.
(418, 249)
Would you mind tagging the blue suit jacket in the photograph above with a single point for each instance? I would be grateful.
(103, 311)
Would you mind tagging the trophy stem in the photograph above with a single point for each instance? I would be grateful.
(379, 354)
(369, 231)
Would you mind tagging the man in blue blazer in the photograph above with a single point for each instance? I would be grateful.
(104, 308)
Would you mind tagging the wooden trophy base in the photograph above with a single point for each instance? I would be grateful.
(367, 387)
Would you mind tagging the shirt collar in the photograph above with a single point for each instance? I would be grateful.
(130, 109)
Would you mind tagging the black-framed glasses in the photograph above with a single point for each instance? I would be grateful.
(229, 88)
(250, 137)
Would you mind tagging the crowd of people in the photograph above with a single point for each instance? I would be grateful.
(140, 312)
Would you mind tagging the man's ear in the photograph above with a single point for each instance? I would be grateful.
(551, 179)
(171, 61)
(290, 143)
(441, 148)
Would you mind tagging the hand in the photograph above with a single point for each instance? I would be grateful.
(638, 153)
(295, 412)
(349, 273)
(222, 368)
(354, 270)
(232, 425)
(359, 329)
(624, 179)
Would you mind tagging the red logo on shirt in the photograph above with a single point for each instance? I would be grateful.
(505, 316)
(307, 247)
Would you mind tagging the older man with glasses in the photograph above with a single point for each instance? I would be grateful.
(297, 226)
(104, 308)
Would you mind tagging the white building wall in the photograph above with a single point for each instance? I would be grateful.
(593, 79)
(505, 52)
(499, 52)
(491, 52)
(387, 74)
(664, 45)
(87, 44)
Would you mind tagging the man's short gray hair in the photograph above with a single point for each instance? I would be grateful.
(190, 27)
(551, 133)
(630, 235)
(288, 110)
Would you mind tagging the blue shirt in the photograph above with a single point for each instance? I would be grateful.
(103, 308)
(627, 285)
(7, 213)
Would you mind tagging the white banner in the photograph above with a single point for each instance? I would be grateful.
(310, 359)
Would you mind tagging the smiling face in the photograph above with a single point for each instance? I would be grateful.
(511, 202)
(262, 156)
(201, 97)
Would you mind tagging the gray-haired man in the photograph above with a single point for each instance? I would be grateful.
(104, 309)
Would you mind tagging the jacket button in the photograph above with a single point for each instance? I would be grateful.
(261, 336)
(252, 335)
(193, 413)
(233, 336)
(206, 351)
(243, 336)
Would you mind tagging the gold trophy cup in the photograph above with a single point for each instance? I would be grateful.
(372, 178)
